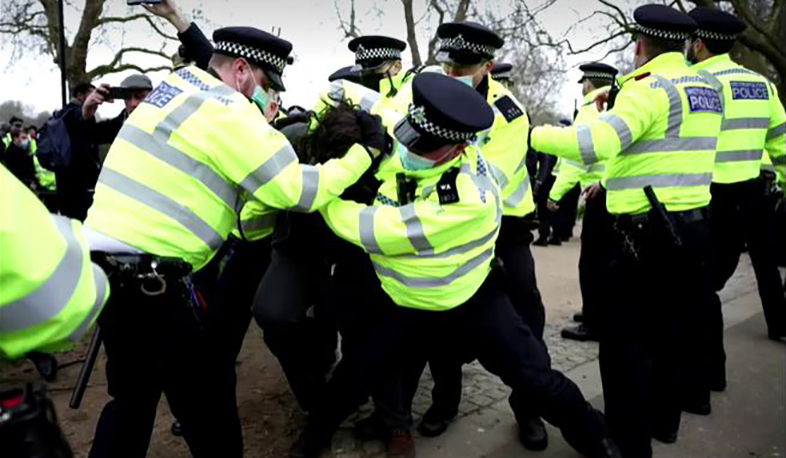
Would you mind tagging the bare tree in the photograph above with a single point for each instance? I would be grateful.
(31, 24)
(760, 47)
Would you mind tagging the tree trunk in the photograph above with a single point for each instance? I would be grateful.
(412, 39)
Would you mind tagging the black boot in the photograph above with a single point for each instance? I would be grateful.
(309, 444)
(433, 423)
(177, 429)
(582, 333)
(556, 241)
(578, 317)
(533, 435)
(541, 241)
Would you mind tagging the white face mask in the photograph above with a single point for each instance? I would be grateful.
(469, 80)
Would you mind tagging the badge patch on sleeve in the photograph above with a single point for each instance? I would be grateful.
(162, 95)
(704, 99)
(508, 108)
(742, 90)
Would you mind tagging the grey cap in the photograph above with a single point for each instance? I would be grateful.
(137, 81)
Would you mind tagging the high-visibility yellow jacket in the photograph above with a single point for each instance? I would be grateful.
(50, 292)
(46, 178)
(504, 145)
(427, 254)
(189, 156)
(754, 119)
(571, 172)
(661, 132)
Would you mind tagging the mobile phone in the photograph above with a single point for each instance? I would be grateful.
(119, 93)
(139, 2)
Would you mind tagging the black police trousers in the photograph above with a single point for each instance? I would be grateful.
(155, 345)
(651, 331)
(488, 327)
(546, 217)
(597, 235)
(564, 219)
(740, 215)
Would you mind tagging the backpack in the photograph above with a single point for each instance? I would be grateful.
(54, 143)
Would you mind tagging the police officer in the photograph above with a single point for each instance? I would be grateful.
(658, 143)
(597, 228)
(466, 52)
(166, 200)
(438, 207)
(753, 122)
(51, 294)
(503, 72)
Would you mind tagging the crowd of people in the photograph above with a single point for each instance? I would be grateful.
(398, 213)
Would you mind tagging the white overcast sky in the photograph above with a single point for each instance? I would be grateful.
(311, 25)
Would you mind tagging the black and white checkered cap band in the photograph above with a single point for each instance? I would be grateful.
(706, 34)
(417, 116)
(363, 54)
(255, 54)
(458, 43)
(598, 76)
(664, 34)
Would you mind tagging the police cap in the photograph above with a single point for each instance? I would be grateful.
(371, 51)
(597, 71)
(269, 52)
(466, 43)
(443, 111)
(666, 23)
(714, 24)
(502, 71)
(345, 73)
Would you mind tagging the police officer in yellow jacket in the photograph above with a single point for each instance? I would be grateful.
(431, 237)
(166, 200)
(754, 121)
(597, 228)
(50, 294)
(659, 146)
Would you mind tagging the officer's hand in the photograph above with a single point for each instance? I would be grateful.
(593, 191)
(372, 131)
(552, 206)
(96, 98)
(167, 9)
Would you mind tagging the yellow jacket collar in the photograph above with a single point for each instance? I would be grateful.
(714, 60)
(659, 64)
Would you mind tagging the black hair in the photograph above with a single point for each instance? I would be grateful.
(337, 129)
(718, 46)
(82, 88)
(658, 46)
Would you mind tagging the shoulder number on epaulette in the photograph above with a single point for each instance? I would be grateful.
(508, 108)
(446, 188)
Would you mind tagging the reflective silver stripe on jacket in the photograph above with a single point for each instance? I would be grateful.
(270, 169)
(515, 199)
(739, 155)
(675, 106)
(620, 128)
(668, 145)
(434, 282)
(776, 131)
(101, 283)
(586, 147)
(309, 177)
(368, 100)
(163, 204)
(414, 229)
(366, 230)
(259, 222)
(659, 181)
(52, 296)
(745, 123)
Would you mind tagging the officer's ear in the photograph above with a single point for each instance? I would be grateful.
(487, 67)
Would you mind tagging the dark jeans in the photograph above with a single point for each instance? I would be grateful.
(597, 238)
(651, 334)
(565, 216)
(546, 217)
(486, 326)
(155, 345)
(741, 215)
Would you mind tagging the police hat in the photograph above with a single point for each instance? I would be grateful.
(597, 71)
(666, 23)
(714, 24)
(268, 51)
(502, 71)
(443, 111)
(137, 82)
(371, 51)
(466, 43)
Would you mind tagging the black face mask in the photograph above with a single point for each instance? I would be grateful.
(371, 80)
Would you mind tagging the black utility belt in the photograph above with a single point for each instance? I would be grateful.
(149, 271)
(627, 221)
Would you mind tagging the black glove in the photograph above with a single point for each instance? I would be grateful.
(280, 123)
(372, 130)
